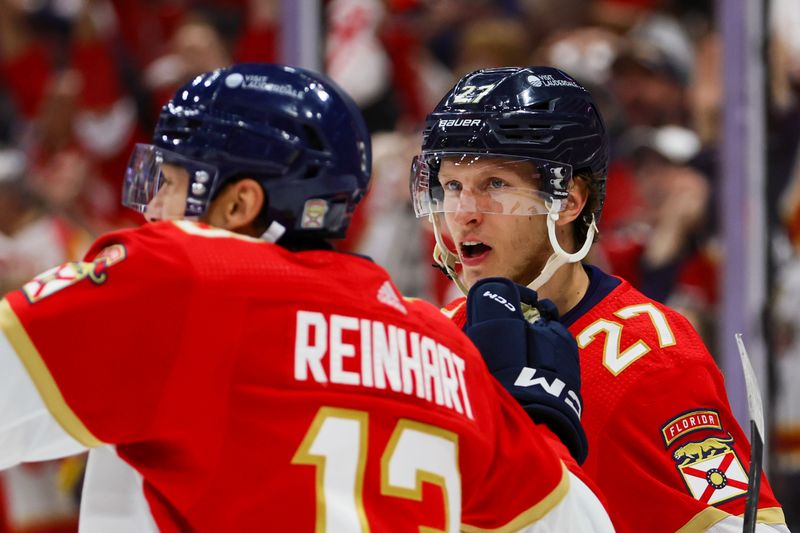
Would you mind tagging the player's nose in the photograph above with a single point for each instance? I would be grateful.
(467, 211)
(153, 211)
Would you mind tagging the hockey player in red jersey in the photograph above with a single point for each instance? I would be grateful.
(512, 175)
(231, 372)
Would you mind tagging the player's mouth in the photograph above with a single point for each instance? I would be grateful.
(473, 252)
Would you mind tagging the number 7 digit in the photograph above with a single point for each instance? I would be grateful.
(615, 359)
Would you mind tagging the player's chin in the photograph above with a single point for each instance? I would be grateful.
(471, 276)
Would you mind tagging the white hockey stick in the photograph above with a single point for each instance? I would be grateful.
(756, 410)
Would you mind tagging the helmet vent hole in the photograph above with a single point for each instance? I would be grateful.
(527, 126)
(543, 105)
(314, 140)
(312, 171)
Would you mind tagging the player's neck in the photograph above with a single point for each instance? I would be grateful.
(567, 287)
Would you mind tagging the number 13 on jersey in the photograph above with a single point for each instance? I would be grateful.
(336, 444)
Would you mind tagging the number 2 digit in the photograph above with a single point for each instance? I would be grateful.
(472, 94)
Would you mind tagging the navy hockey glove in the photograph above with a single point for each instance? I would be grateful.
(536, 362)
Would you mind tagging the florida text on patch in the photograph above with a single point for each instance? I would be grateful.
(689, 422)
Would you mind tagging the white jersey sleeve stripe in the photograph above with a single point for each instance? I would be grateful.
(579, 512)
(113, 496)
(713, 520)
(18, 342)
(570, 508)
(28, 431)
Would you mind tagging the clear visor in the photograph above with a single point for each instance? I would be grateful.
(164, 185)
(448, 182)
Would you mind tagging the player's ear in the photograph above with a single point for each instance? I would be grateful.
(237, 207)
(576, 200)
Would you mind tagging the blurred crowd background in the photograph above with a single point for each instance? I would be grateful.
(81, 81)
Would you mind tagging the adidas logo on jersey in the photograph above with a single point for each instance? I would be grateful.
(386, 295)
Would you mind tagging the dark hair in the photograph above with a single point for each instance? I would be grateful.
(596, 191)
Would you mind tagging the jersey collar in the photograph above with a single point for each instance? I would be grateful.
(600, 286)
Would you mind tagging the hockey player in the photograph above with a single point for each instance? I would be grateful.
(245, 375)
(512, 174)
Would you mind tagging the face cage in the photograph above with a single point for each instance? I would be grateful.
(184, 191)
(488, 183)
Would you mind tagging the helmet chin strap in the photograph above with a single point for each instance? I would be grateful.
(444, 257)
(274, 232)
(448, 260)
(560, 257)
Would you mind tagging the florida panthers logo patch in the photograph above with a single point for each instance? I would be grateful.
(708, 464)
(314, 211)
(68, 274)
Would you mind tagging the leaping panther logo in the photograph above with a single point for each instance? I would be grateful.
(696, 451)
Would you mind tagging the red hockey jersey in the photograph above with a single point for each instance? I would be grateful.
(256, 389)
(664, 447)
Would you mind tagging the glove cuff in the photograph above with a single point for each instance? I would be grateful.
(569, 431)
(547, 402)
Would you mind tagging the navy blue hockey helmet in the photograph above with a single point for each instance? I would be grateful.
(536, 114)
(509, 141)
(295, 132)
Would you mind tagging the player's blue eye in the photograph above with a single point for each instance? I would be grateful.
(452, 186)
(496, 183)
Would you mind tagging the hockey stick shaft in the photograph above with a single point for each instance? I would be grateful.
(754, 483)
(756, 411)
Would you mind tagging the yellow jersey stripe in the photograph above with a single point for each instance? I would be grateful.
(711, 515)
(533, 514)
